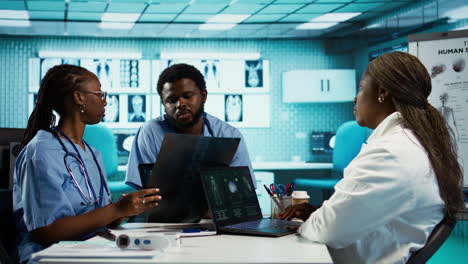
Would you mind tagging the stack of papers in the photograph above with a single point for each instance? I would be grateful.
(93, 249)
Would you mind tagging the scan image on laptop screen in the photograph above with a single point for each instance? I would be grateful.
(232, 194)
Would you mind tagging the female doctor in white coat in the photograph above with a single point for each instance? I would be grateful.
(404, 179)
(60, 190)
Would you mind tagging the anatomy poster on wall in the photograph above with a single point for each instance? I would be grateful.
(445, 55)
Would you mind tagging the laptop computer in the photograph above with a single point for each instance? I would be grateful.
(175, 173)
(231, 197)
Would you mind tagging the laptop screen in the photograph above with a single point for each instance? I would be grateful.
(231, 195)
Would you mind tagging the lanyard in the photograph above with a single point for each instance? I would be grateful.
(103, 182)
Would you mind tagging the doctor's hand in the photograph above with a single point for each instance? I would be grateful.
(301, 211)
(137, 202)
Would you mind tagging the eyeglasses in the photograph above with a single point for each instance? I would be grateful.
(101, 94)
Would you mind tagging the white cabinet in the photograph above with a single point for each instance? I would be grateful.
(319, 86)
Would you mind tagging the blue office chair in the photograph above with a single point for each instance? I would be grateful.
(348, 141)
(101, 138)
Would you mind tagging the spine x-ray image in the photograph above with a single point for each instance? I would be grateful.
(129, 73)
(112, 109)
(233, 108)
(253, 74)
(136, 108)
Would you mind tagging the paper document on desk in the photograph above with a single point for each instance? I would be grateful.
(92, 249)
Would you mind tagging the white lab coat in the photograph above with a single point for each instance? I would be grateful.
(385, 206)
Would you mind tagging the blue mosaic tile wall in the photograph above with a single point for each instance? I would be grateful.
(291, 124)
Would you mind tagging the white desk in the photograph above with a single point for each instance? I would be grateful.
(230, 249)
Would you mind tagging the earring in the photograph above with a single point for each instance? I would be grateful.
(381, 99)
(82, 108)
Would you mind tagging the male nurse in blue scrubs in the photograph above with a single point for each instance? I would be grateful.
(182, 90)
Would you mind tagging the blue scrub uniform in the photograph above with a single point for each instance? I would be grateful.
(44, 191)
(150, 136)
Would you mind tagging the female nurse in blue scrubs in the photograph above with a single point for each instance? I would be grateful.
(60, 191)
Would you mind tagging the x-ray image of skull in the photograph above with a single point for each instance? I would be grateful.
(233, 108)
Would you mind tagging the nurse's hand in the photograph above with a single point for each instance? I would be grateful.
(137, 202)
(301, 211)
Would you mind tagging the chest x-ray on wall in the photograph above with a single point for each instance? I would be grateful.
(210, 72)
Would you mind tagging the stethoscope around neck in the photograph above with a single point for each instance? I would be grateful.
(90, 198)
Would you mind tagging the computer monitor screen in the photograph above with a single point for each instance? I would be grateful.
(322, 142)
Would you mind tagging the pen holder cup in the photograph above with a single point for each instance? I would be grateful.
(278, 204)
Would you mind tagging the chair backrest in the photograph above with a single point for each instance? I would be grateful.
(438, 236)
(7, 234)
(348, 141)
(101, 138)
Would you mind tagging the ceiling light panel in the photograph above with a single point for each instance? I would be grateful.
(14, 23)
(307, 26)
(319, 8)
(86, 7)
(120, 17)
(280, 9)
(242, 9)
(14, 14)
(165, 8)
(125, 8)
(335, 17)
(224, 18)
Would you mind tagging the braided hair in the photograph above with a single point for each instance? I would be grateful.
(59, 82)
(409, 84)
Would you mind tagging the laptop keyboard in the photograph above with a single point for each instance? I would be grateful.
(264, 223)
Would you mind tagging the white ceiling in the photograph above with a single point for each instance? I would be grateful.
(182, 18)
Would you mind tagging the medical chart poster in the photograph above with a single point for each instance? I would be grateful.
(446, 58)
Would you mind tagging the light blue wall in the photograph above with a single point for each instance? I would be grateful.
(279, 142)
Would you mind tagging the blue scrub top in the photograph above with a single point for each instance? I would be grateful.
(149, 138)
(44, 191)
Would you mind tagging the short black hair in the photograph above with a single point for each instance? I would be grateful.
(181, 71)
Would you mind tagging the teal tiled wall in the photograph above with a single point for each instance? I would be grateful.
(279, 142)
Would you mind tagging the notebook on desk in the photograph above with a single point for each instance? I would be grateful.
(231, 197)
